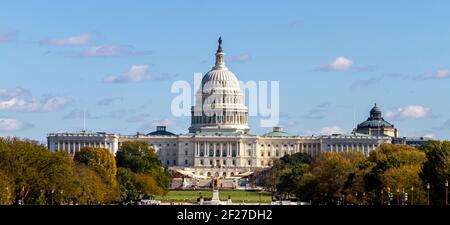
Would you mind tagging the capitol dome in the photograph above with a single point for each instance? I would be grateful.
(221, 95)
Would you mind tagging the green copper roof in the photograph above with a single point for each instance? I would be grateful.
(277, 134)
(375, 123)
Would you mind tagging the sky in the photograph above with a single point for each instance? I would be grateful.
(112, 63)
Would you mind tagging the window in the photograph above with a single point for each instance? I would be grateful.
(185, 152)
(168, 144)
(233, 153)
(234, 162)
(211, 162)
(174, 162)
(249, 162)
(167, 162)
(186, 144)
(185, 162)
(201, 161)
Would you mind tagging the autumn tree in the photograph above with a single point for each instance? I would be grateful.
(436, 169)
(35, 174)
(395, 167)
(281, 178)
(140, 159)
(96, 168)
(334, 176)
(6, 186)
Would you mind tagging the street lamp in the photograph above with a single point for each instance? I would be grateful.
(398, 196)
(53, 191)
(260, 198)
(62, 198)
(389, 196)
(412, 195)
(364, 198)
(446, 192)
(428, 189)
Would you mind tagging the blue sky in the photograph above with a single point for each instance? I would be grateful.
(118, 59)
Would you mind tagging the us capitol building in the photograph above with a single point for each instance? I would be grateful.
(220, 143)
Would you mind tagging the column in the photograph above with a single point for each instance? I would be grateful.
(238, 148)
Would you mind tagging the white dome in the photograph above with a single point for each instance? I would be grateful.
(220, 101)
(219, 75)
(220, 79)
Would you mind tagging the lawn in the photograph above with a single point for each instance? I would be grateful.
(236, 196)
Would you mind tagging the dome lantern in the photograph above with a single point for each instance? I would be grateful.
(220, 57)
(375, 112)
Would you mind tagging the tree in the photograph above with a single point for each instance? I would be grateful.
(333, 172)
(436, 169)
(284, 173)
(99, 159)
(390, 161)
(35, 173)
(103, 164)
(140, 158)
(6, 186)
(94, 189)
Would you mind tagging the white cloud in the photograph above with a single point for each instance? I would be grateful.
(429, 135)
(18, 104)
(408, 112)
(8, 35)
(13, 92)
(136, 73)
(10, 124)
(69, 41)
(439, 74)
(331, 130)
(111, 51)
(338, 64)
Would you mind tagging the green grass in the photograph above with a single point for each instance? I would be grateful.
(236, 196)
